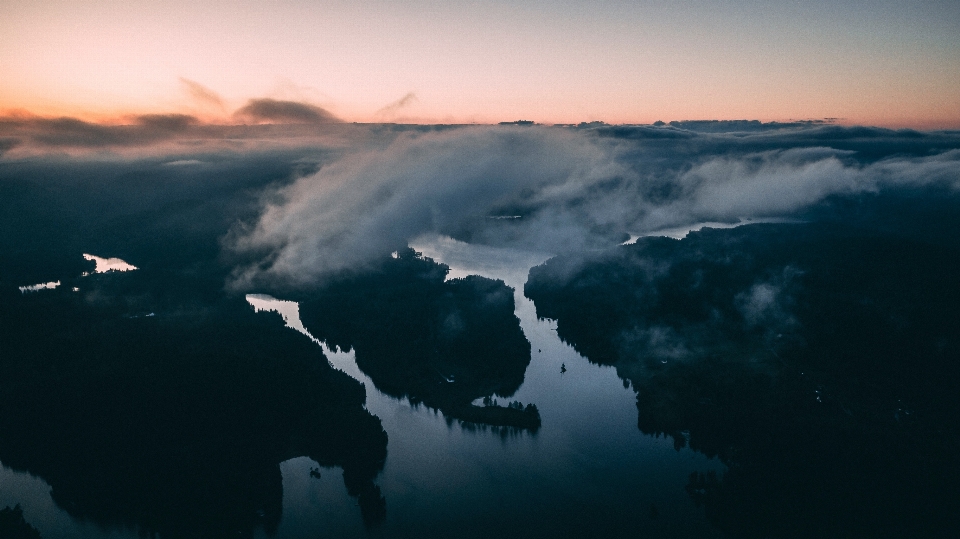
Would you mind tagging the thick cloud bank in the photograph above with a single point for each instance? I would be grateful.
(330, 197)
(560, 189)
(374, 202)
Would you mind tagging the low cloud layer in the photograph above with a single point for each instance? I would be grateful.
(172, 137)
(268, 122)
(349, 194)
(373, 202)
(71, 132)
(567, 189)
(274, 111)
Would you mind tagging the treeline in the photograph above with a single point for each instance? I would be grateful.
(819, 361)
(146, 399)
(436, 342)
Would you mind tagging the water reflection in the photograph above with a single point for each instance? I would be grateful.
(680, 232)
(206, 397)
(104, 265)
(39, 510)
(288, 310)
(791, 352)
(174, 423)
(42, 286)
(587, 469)
(443, 343)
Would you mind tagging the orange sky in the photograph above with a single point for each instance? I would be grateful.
(878, 62)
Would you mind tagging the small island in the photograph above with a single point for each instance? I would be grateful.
(440, 343)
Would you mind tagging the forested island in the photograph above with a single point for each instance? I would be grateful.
(442, 343)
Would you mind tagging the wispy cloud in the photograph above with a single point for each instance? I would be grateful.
(202, 94)
(391, 110)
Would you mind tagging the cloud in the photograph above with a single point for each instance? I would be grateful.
(741, 126)
(574, 189)
(273, 111)
(353, 193)
(202, 94)
(166, 122)
(769, 304)
(183, 162)
(170, 137)
(72, 132)
(8, 143)
(395, 107)
(374, 202)
(780, 182)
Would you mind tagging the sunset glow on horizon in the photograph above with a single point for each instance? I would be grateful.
(877, 63)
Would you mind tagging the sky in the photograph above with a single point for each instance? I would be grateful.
(879, 62)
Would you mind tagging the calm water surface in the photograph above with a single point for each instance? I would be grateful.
(587, 466)
(587, 469)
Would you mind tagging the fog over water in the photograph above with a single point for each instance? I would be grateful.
(571, 190)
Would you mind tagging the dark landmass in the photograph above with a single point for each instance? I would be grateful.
(143, 404)
(674, 146)
(14, 526)
(514, 414)
(819, 361)
(440, 343)
(168, 218)
(735, 126)
(153, 398)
